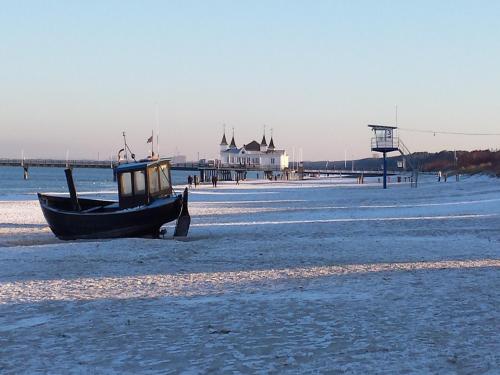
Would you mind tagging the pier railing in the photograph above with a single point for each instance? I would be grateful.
(81, 163)
(75, 163)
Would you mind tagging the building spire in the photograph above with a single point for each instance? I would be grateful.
(271, 142)
(233, 143)
(224, 141)
(264, 142)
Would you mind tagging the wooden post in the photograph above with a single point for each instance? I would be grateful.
(72, 189)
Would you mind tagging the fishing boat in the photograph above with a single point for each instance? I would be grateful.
(146, 202)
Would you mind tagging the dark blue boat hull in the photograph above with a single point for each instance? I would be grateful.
(104, 219)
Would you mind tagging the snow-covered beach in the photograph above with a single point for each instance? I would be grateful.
(318, 276)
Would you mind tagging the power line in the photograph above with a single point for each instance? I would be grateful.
(447, 132)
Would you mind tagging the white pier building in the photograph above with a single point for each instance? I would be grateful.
(253, 155)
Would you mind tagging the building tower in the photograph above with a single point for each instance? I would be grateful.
(223, 143)
(271, 144)
(233, 143)
(263, 143)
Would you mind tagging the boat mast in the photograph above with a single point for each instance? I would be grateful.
(125, 142)
(157, 131)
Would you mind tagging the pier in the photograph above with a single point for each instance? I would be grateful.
(56, 163)
(206, 170)
(346, 173)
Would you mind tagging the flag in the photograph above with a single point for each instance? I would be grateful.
(150, 139)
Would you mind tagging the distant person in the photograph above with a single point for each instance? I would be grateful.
(190, 181)
(237, 180)
(195, 181)
(216, 179)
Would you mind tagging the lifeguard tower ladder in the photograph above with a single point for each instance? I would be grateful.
(386, 140)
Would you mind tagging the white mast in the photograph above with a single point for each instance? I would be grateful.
(158, 131)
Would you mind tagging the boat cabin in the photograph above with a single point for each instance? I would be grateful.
(143, 182)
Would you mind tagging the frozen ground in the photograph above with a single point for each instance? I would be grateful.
(305, 277)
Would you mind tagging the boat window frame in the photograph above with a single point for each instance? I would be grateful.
(131, 185)
(163, 190)
(156, 173)
(164, 168)
(137, 191)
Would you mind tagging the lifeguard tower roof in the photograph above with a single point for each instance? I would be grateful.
(382, 127)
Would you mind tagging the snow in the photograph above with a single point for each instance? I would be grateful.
(290, 277)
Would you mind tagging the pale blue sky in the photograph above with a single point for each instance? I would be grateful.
(75, 74)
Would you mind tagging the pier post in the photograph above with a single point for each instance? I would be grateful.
(385, 171)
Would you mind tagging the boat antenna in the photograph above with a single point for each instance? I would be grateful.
(132, 155)
(125, 147)
(152, 144)
(157, 131)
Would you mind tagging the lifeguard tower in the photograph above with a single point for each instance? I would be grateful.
(384, 141)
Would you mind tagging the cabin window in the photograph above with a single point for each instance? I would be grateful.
(126, 184)
(139, 182)
(154, 186)
(164, 180)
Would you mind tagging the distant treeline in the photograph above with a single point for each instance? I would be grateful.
(479, 161)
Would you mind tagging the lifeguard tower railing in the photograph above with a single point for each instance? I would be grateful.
(385, 144)
(408, 156)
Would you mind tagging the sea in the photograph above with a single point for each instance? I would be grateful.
(88, 181)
